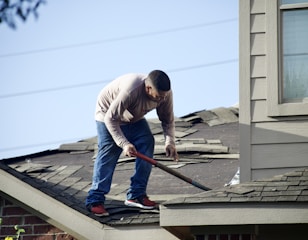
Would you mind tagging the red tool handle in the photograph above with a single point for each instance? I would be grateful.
(171, 171)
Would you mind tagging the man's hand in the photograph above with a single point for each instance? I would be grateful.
(171, 152)
(129, 150)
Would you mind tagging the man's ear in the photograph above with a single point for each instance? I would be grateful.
(148, 88)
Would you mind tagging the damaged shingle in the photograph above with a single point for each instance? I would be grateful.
(66, 176)
(30, 167)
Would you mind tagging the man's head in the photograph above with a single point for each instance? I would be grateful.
(160, 80)
(157, 85)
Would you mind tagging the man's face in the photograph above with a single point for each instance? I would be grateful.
(155, 95)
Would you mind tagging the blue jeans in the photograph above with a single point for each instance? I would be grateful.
(140, 135)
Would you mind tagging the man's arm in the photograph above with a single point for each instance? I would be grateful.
(166, 116)
(113, 118)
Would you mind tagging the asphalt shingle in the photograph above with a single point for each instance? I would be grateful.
(289, 187)
(65, 173)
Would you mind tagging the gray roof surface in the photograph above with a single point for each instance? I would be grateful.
(207, 142)
(289, 187)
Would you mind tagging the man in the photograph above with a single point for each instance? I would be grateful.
(121, 126)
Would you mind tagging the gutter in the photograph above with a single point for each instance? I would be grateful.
(233, 214)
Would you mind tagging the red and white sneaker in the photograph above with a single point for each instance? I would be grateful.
(98, 210)
(142, 202)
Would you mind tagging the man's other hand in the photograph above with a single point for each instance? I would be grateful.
(171, 152)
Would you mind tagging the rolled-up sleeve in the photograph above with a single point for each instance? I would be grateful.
(113, 119)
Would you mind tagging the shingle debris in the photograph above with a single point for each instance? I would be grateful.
(197, 148)
(64, 175)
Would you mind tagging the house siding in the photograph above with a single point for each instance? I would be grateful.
(35, 228)
(268, 145)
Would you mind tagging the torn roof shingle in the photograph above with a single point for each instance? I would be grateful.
(183, 128)
(215, 116)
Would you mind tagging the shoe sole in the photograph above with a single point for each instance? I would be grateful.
(101, 214)
(139, 205)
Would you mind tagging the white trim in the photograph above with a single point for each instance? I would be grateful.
(245, 92)
(275, 108)
(233, 214)
(293, 6)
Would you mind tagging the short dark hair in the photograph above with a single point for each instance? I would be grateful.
(160, 80)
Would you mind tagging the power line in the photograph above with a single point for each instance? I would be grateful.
(203, 65)
(85, 44)
(18, 94)
(37, 145)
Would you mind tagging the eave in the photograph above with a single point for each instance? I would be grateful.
(233, 214)
(68, 219)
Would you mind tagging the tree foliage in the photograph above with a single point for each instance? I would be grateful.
(10, 10)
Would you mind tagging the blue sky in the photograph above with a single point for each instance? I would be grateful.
(53, 67)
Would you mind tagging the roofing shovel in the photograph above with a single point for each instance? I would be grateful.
(171, 171)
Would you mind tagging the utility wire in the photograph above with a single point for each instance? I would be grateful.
(203, 65)
(38, 145)
(116, 39)
(18, 94)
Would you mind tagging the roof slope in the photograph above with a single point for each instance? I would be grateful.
(281, 199)
(207, 142)
(289, 187)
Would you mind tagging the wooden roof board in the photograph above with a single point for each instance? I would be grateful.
(193, 140)
(77, 146)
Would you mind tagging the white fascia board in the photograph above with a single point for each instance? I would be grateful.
(233, 214)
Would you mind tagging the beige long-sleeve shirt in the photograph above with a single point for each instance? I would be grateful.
(125, 101)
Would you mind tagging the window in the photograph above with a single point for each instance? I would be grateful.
(287, 57)
(226, 237)
(294, 53)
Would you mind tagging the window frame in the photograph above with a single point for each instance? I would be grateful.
(275, 107)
